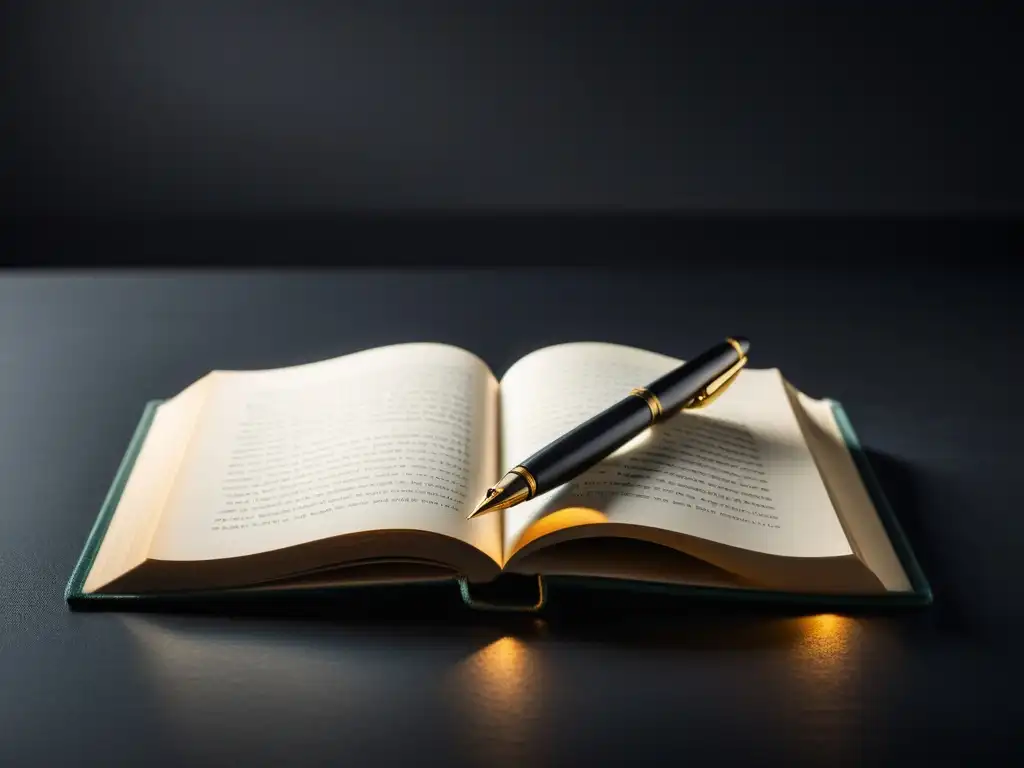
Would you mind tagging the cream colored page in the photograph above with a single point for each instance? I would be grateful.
(851, 496)
(737, 472)
(127, 539)
(400, 437)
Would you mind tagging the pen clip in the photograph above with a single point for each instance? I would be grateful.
(715, 387)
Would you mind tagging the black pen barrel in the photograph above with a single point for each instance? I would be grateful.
(589, 443)
(599, 437)
(678, 386)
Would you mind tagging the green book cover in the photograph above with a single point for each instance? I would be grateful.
(534, 595)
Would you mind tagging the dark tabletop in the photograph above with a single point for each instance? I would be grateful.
(921, 359)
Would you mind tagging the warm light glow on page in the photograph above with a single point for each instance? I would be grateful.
(558, 521)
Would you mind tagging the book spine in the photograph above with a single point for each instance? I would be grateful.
(531, 602)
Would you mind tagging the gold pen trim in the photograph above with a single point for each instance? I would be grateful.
(717, 386)
(523, 494)
(737, 346)
(653, 403)
(531, 481)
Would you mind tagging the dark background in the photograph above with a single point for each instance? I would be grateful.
(743, 106)
(839, 181)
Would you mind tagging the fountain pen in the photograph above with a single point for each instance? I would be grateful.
(694, 384)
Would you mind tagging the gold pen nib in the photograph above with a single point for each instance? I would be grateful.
(483, 506)
(505, 493)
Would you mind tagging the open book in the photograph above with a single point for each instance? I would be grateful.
(364, 469)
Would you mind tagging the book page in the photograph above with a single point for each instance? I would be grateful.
(395, 438)
(737, 472)
(135, 519)
(849, 494)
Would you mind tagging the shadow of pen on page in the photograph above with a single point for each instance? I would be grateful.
(630, 470)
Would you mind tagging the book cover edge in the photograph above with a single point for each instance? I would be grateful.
(73, 590)
(890, 520)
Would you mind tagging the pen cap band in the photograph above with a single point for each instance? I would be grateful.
(741, 353)
(524, 473)
(653, 403)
